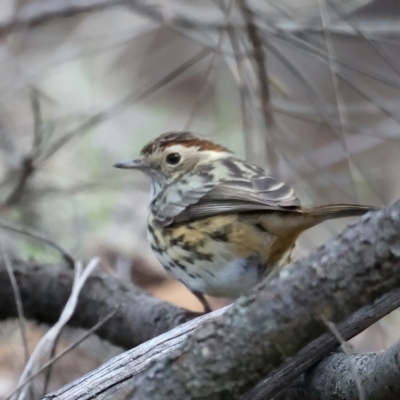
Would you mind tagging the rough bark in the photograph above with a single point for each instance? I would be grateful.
(115, 373)
(279, 380)
(270, 332)
(119, 371)
(224, 358)
(45, 289)
(334, 377)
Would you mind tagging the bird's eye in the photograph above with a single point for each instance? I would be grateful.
(173, 158)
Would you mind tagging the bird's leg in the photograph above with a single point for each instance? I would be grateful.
(203, 301)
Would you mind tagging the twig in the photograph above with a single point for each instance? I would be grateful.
(333, 63)
(27, 169)
(311, 46)
(37, 119)
(299, 144)
(260, 61)
(33, 14)
(339, 101)
(65, 351)
(345, 347)
(242, 87)
(263, 82)
(27, 164)
(18, 302)
(127, 101)
(47, 341)
(314, 97)
(206, 78)
(207, 74)
(68, 259)
(49, 370)
(370, 41)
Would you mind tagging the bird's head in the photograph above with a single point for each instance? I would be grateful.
(172, 155)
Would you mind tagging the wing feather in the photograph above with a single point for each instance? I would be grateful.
(241, 196)
(262, 193)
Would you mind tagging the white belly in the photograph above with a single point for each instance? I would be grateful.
(219, 278)
(233, 278)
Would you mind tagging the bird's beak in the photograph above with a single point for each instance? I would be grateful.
(132, 164)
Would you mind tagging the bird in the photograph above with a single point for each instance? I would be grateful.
(218, 223)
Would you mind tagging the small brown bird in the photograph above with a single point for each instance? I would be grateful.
(217, 223)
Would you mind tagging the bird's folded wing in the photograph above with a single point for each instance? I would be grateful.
(256, 194)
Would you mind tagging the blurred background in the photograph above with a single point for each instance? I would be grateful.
(308, 89)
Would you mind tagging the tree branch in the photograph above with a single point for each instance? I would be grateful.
(334, 375)
(115, 373)
(35, 13)
(121, 369)
(260, 335)
(232, 353)
(260, 61)
(44, 290)
(277, 382)
(38, 12)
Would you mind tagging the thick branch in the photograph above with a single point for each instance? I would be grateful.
(113, 374)
(45, 289)
(228, 356)
(278, 381)
(334, 376)
(118, 371)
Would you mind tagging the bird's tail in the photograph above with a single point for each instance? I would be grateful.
(290, 225)
(332, 211)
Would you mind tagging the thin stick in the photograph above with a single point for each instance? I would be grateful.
(207, 75)
(370, 41)
(335, 331)
(260, 61)
(28, 162)
(47, 340)
(18, 303)
(339, 101)
(261, 65)
(49, 371)
(243, 89)
(100, 117)
(37, 118)
(65, 351)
